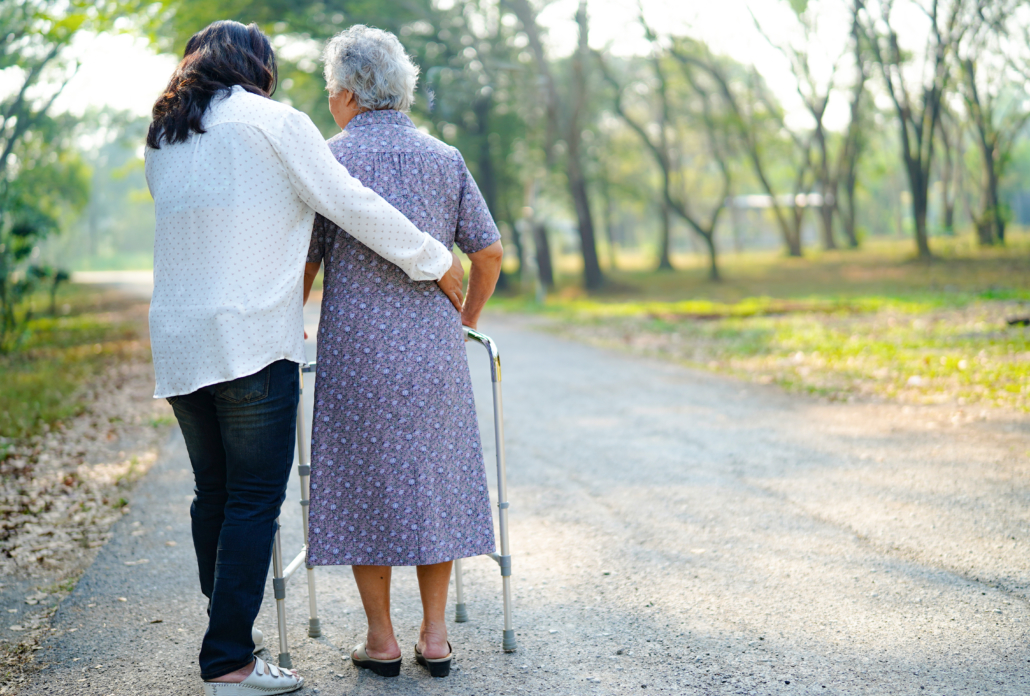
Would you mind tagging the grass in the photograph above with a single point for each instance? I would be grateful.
(868, 323)
(38, 382)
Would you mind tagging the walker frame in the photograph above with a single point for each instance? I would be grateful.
(281, 575)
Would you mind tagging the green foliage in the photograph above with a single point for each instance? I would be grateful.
(38, 383)
(43, 180)
(50, 185)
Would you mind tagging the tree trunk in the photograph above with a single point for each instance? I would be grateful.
(713, 268)
(994, 215)
(793, 239)
(828, 187)
(664, 260)
(543, 255)
(919, 187)
(486, 179)
(826, 219)
(919, 214)
(516, 238)
(847, 217)
(609, 227)
(592, 275)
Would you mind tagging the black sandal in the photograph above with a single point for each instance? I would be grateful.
(384, 668)
(437, 666)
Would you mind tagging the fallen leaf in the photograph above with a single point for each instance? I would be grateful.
(122, 599)
(170, 543)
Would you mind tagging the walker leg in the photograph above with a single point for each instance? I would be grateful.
(461, 614)
(279, 587)
(304, 471)
(504, 557)
(508, 643)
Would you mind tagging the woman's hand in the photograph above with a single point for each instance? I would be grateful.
(451, 283)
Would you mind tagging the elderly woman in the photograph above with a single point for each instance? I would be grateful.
(397, 468)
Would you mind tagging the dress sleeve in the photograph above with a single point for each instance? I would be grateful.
(316, 249)
(328, 188)
(476, 228)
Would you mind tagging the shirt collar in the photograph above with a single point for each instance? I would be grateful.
(380, 117)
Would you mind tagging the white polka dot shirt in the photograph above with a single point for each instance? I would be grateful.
(235, 208)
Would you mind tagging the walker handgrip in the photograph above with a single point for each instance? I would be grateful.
(491, 349)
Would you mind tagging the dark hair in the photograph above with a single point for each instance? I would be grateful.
(222, 55)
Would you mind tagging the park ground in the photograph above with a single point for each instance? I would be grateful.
(869, 324)
(863, 456)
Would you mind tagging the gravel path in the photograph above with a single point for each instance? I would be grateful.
(673, 531)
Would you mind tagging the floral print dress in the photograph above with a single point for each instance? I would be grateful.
(397, 473)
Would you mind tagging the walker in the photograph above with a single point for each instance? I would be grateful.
(281, 575)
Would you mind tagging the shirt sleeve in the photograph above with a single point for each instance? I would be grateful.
(327, 187)
(476, 228)
(316, 249)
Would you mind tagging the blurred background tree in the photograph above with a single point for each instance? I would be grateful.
(44, 180)
(893, 119)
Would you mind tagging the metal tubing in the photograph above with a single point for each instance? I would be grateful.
(304, 470)
(504, 558)
(296, 563)
(502, 503)
(314, 625)
(280, 603)
(461, 614)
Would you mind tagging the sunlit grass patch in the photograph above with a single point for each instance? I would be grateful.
(59, 354)
(871, 322)
(901, 350)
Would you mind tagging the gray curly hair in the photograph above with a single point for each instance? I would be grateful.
(372, 64)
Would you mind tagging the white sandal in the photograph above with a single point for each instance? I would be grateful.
(265, 680)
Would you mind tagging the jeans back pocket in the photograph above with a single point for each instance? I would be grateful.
(245, 389)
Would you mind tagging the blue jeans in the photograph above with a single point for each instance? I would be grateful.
(240, 436)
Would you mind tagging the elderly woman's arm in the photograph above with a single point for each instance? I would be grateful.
(486, 269)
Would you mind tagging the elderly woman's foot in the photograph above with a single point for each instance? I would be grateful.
(382, 647)
(432, 650)
(432, 640)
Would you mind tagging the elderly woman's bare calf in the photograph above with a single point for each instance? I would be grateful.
(397, 468)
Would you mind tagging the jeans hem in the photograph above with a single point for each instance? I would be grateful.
(228, 670)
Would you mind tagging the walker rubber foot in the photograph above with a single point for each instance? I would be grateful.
(285, 661)
(314, 628)
(508, 645)
(461, 614)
